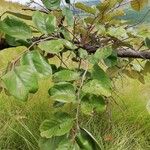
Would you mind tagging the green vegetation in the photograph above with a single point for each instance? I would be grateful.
(56, 95)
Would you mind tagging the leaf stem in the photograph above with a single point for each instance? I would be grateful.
(78, 97)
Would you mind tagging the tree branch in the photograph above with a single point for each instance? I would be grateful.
(133, 54)
(121, 52)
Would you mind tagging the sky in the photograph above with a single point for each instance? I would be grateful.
(25, 1)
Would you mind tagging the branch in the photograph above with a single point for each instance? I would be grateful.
(133, 54)
(121, 52)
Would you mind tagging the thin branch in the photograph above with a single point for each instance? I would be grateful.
(78, 96)
(62, 61)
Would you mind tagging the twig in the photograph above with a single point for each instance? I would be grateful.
(62, 61)
(78, 96)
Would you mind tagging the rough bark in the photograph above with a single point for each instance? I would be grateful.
(133, 54)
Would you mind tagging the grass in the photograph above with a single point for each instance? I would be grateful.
(126, 127)
(20, 121)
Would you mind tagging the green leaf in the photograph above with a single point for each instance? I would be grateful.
(63, 92)
(45, 23)
(118, 32)
(52, 46)
(85, 8)
(82, 53)
(58, 125)
(52, 4)
(102, 53)
(138, 4)
(39, 65)
(67, 44)
(66, 75)
(56, 46)
(111, 60)
(86, 141)
(92, 103)
(16, 42)
(20, 82)
(68, 16)
(16, 28)
(100, 85)
(146, 68)
(51, 143)
(97, 88)
(99, 74)
(19, 15)
(57, 143)
(68, 145)
(147, 42)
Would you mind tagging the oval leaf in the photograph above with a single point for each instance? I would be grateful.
(44, 22)
(58, 125)
(68, 16)
(20, 82)
(39, 65)
(86, 141)
(66, 75)
(97, 88)
(63, 92)
(85, 8)
(16, 28)
(52, 46)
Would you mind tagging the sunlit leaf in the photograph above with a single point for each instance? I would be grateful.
(39, 65)
(16, 28)
(44, 22)
(100, 85)
(85, 8)
(69, 45)
(118, 32)
(66, 75)
(68, 16)
(20, 82)
(56, 46)
(97, 88)
(52, 46)
(103, 53)
(63, 92)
